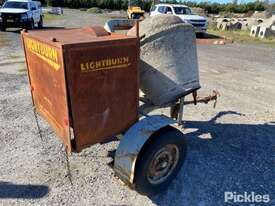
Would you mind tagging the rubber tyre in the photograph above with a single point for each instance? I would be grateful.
(201, 35)
(169, 136)
(2, 28)
(135, 16)
(40, 23)
(31, 25)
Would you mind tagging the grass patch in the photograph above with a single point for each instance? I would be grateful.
(94, 10)
(52, 17)
(241, 36)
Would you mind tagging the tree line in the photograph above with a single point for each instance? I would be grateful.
(213, 8)
(103, 4)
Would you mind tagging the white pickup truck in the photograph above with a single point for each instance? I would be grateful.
(200, 23)
(21, 13)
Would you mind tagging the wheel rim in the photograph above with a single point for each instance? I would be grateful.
(163, 164)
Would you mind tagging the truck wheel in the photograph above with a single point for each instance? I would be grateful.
(2, 28)
(40, 23)
(201, 35)
(31, 25)
(160, 161)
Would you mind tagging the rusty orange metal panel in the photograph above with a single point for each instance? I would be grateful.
(103, 87)
(84, 78)
(48, 84)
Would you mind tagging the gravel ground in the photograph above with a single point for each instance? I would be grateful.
(230, 148)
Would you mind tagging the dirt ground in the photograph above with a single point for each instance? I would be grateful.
(230, 148)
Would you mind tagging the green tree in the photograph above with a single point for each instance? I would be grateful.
(118, 4)
(259, 6)
(124, 4)
(109, 4)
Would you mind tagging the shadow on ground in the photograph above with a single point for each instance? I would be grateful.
(12, 191)
(237, 158)
(207, 36)
(18, 30)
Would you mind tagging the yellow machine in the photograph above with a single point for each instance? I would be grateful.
(135, 12)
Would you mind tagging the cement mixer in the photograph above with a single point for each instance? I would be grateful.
(87, 88)
(168, 59)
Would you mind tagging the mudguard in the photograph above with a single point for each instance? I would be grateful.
(132, 143)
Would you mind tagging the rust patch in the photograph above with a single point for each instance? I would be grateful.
(86, 79)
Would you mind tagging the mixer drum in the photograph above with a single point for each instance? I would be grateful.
(168, 55)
